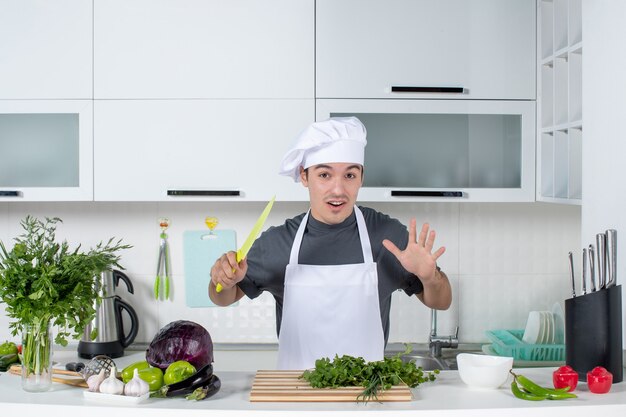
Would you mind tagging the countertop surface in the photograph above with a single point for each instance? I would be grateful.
(447, 396)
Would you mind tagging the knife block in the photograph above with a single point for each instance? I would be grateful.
(593, 332)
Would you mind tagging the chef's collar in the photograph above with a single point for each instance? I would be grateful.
(318, 225)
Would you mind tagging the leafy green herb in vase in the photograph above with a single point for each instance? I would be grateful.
(45, 283)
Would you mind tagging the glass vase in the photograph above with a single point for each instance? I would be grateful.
(37, 357)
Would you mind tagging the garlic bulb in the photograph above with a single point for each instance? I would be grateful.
(112, 385)
(136, 387)
(94, 381)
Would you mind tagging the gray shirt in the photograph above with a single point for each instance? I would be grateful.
(326, 244)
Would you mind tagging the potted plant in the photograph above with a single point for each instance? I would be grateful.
(43, 284)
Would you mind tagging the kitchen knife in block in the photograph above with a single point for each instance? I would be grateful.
(200, 253)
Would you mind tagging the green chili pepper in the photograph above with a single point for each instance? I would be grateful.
(535, 392)
(522, 395)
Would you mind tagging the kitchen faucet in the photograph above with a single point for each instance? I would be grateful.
(436, 342)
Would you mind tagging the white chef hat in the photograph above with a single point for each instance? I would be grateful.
(338, 139)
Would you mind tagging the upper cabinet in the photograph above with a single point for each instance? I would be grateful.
(464, 49)
(559, 104)
(163, 49)
(46, 150)
(46, 49)
(457, 150)
(191, 150)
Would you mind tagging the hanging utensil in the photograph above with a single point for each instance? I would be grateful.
(243, 250)
(611, 251)
(571, 271)
(163, 264)
(592, 269)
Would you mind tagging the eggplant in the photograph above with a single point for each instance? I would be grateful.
(187, 386)
(206, 391)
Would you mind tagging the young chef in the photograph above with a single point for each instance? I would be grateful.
(332, 270)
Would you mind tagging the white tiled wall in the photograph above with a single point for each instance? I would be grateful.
(503, 260)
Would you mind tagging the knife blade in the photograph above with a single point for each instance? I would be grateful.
(601, 254)
(611, 252)
(592, 269)
(243, 250)
(571, 271)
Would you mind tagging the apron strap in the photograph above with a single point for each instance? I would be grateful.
(366, 246)
(364, 236)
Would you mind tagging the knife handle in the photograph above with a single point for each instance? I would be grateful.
(601, 247)
(592, 268)
(611, 252)
(571, 271)
(584, 273)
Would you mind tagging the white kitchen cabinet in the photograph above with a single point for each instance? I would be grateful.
(559, 104)
(195, 150)
(444, 150)
(159, 49)
(482, 49)
(46, 49)
(46, 150)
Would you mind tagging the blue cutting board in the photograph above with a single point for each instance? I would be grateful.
(200, 255)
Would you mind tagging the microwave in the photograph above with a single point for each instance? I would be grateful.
(443, 150)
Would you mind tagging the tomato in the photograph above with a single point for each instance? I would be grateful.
(178, 371)
(599, 380)
(8, 348)
(564, 377)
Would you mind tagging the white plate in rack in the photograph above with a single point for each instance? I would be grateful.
(114, 399)
(534, 325)
(559, 323)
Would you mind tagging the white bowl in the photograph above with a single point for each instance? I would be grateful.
(483, 371)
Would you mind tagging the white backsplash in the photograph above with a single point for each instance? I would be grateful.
(503, 260)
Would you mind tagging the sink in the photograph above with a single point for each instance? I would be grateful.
(427, 363)
(423, 358)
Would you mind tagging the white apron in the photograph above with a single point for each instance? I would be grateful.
(330, 309)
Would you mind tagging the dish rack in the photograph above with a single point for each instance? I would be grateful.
(510, 343)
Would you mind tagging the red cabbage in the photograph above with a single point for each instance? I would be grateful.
(181, 340)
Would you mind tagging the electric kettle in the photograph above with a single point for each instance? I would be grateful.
(110, 339)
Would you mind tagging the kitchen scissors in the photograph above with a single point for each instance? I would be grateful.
(163, 264)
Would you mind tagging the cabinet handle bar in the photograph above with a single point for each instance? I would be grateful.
(203, 193)
(10, 193)
(398, 193)
(407, 89)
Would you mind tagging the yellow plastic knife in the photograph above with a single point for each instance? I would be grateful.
(243, 250)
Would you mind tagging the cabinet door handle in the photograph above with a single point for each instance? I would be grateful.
(400, 193)
(10, 193)
(408, 89)
(203, 193)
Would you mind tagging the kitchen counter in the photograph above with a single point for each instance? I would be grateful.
(447, 396)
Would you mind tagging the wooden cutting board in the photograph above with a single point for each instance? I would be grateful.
(285, 386)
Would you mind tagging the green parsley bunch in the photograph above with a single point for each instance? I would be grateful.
(374, 376)
(44, 281)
